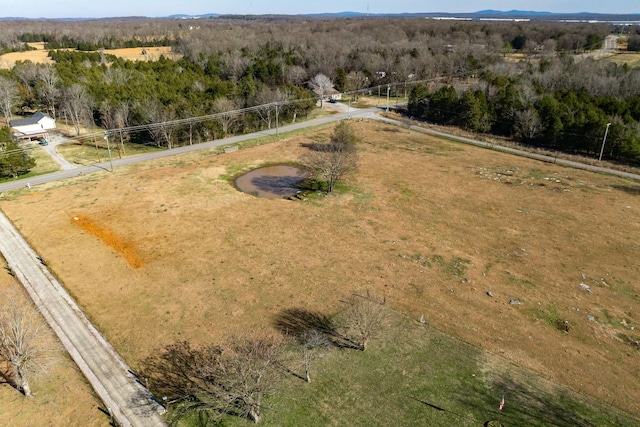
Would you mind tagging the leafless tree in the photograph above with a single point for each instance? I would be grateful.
(233, 65)
(22, 340)
(264, 101)
(213, 380)
(364, 318)
(116, 117)
(333, 161)
(27, 74)
(527, 124)
(321, 84)
(8, 97)
(312, 341)
(228, 118)
(295, 75)
(48, 91)
(159, 117)
(77, 106)
(356, 80)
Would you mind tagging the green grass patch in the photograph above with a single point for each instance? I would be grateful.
(458, 266)
(234, 170)
(519, 281)
(417, 376)
(87, 154)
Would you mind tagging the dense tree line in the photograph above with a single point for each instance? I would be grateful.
(558, 104)
(228, 64)
(57, 41)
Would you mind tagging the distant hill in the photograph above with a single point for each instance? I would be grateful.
(183, 16)
(511, 12)
(479, 15)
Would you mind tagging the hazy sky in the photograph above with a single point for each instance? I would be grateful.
(152, 8)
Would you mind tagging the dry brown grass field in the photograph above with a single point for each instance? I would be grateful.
(432, 225)
(632, 59)
(39, 56)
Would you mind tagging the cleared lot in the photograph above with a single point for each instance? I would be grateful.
(431, 224)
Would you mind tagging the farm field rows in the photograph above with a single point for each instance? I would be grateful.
(495, 250)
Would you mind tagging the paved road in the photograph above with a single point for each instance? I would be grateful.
(106, 166)
(128, 401)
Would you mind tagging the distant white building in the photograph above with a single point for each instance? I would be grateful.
(328, 94)
(32, 127)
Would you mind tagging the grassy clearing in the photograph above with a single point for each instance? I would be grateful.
(87, 154)
(631, 59)
(415, 376)
(370, 101)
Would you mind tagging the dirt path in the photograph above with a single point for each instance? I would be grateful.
(126, 399)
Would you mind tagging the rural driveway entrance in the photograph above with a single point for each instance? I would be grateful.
(127, 400)
(55, 140)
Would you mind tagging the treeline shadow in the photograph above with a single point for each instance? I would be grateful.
(532, 406)
(297, 321)
(634, 190)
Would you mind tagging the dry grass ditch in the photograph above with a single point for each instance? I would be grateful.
(432, 225)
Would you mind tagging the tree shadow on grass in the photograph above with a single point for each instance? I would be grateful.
(5, 377)
(527, 404)
(297, 321)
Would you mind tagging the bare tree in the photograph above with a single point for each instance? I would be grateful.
(356, 80)
(116, 117)
(27, 74)
(527, 124)
(364, 318)
(265, 101)
(296, 75)
(213, 381)
(312, 340)
(228, 118)
(160, 126)
(21, 334)
(49, 91)
(8, 97)
(321, 84)
(77, 105)
(333, 161)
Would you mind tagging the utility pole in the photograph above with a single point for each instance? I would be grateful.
(604, 140)
(106, 138)
(388, 90)
(276, 119)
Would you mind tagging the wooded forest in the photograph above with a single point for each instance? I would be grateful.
(534, 81)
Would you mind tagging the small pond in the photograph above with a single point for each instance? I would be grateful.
(272, 182)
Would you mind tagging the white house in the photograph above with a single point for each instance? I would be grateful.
(32, 127)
